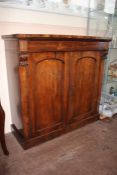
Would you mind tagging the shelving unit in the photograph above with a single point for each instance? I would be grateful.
(101, 23)
(111, 85)
(104, 24)
(110, 103)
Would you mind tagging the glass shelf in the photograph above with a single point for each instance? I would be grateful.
(113, 48)
(100, 12)
(111, 79)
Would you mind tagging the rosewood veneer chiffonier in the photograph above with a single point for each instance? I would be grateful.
(54, 83)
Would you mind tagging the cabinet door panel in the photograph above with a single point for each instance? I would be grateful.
(84, 77)
(46, 91)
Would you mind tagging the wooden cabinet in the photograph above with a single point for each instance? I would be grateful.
(59, 83)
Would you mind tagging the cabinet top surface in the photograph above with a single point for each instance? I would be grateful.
(55, 37)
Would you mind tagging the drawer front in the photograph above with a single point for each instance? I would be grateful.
(45, 46)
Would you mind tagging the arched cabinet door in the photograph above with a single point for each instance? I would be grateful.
(84, 85)
(46, 76)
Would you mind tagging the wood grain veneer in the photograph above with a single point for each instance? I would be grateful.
(60, 79)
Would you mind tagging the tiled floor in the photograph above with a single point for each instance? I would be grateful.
(90, 150)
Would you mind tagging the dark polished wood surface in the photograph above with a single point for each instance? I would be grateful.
(56, 37)
(2, 135)
(60, 81)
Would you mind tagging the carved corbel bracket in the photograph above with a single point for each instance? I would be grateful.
(104, 54)
(23, 60)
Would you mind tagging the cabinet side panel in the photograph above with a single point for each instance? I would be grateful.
(13, 81)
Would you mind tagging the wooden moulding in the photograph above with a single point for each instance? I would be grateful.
(56, 37)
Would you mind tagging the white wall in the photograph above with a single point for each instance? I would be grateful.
(30, 16)
(24, 21)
